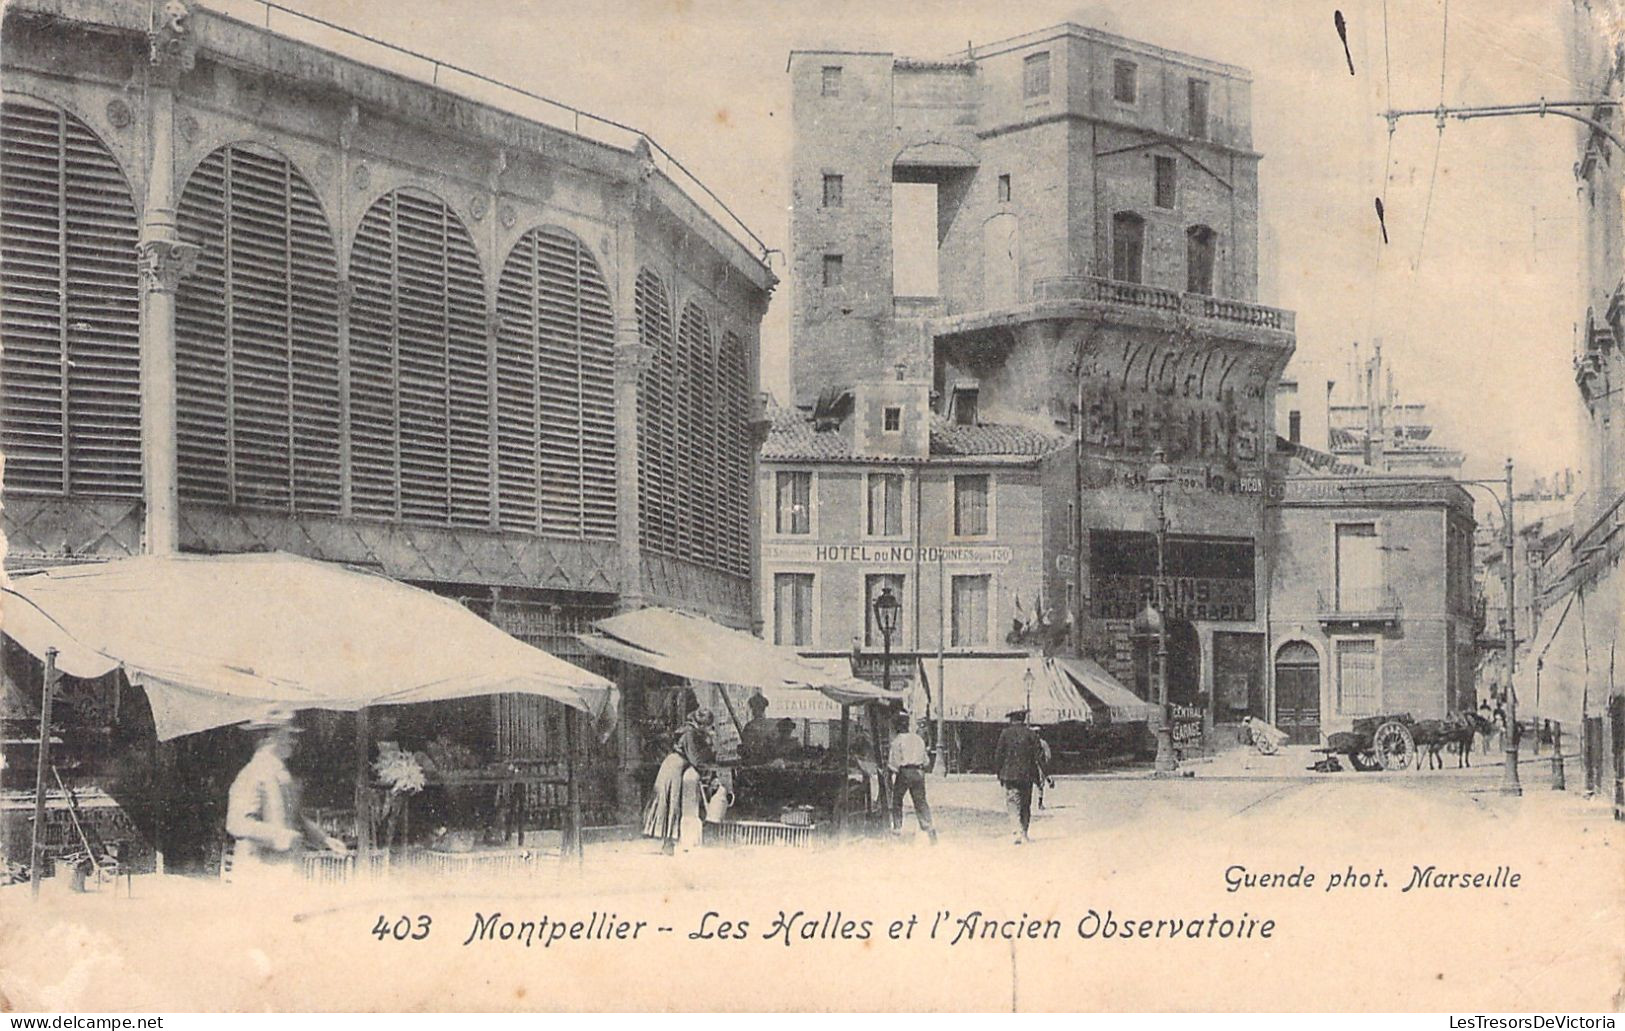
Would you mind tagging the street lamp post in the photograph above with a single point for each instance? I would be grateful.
(1509, 776)
(887, 611)
(1159, 476)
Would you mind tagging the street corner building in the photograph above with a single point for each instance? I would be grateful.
(267, 285)
(1090, 206)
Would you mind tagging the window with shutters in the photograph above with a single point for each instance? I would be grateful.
(885, 517)
(971, 506)
(1035, 76)
(555, 390)
(793, 507)
(1359, 575)
(1164, 177)
(793, 608)
(1125, 82)
(1200, 245)
(1359, 691)
(419, 366)
(1128, 246)
(970, 616)
(832, 190)
(657, 426)
(69, 309)
(256, 328)
(1196, 108)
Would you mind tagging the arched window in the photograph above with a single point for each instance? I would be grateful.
(1128, 247)
(1201, 243)
(657, 421)
(555, 389)
(696, 424)
(419, 366)
(69, 309)
(256, 326)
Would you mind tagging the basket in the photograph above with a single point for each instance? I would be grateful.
(751, 832)
(796, 816)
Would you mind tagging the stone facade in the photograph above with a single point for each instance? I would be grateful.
(1407, 626)
(1097, 267)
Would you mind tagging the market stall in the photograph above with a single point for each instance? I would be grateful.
(778, 786)
(1084, 712)
(213, 641)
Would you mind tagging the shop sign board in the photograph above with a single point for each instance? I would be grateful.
(885, 554)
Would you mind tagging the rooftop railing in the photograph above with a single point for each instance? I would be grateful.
(481, 88)
(1156, 298)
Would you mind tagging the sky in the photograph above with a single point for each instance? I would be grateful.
(1474, 295)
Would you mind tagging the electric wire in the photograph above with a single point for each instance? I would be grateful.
(1438, 145)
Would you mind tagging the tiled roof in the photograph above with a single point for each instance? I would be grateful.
(992, 439)
(792, 438)
(1306, 461)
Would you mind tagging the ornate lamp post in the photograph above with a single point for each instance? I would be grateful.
(1156, 618)
(887, 612)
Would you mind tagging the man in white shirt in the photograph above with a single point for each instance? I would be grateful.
(907, 760)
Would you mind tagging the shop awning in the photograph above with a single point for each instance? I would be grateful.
(693, 647)
(978, 689)
(1124, 705)
(1554, 676)
(218, 639)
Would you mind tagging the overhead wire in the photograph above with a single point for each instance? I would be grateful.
(1438, 146)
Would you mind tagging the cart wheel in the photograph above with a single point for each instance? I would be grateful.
(1266, 745)
(1393, 745)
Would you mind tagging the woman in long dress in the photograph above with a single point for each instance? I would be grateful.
(674, 811)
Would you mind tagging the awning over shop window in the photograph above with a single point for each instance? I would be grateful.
(1124, 705)
(693, 647)
(218, 639)
(1556, 679)
(977, 689)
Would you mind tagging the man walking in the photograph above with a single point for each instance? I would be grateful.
(1016, 758)
(906, 760)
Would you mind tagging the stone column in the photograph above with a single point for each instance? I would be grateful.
(164, 260)
(632, 357)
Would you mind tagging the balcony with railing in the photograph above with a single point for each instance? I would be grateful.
(1156, 298)
(1360, 606)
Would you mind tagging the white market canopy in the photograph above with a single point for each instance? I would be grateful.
(219, 639)
(693, 647)
(980, 689)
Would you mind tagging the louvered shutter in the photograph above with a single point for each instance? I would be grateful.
(696, 461)
(69, 309)
(733, 379)
(656, 418)
(257, 338)
(557, 333)
(419, 364)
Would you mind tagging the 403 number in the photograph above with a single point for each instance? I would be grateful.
(405, 928)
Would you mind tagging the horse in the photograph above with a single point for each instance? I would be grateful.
(1456, 733)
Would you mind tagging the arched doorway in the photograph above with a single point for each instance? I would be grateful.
(1297, 692)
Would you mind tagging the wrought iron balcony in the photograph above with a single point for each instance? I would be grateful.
(1156, 298)
(1361, 606)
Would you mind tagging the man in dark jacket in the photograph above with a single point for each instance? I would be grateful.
(1017, 758)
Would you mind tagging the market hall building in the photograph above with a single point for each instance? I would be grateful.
(256, 295)
(1095, 221)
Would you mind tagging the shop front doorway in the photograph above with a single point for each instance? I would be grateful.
(1297, 693)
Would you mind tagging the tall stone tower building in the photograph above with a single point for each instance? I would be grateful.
(1096, 273)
